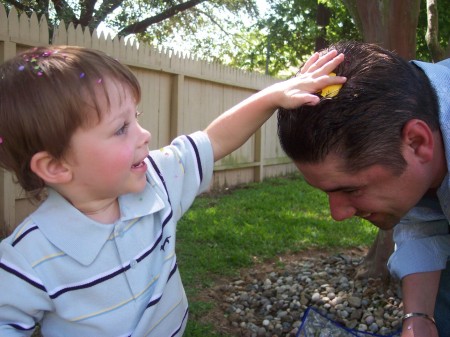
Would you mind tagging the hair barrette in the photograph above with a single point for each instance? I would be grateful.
(331, 90)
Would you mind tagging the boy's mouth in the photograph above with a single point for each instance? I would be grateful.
(138, 165)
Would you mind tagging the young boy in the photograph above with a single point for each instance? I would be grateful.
(97, 258)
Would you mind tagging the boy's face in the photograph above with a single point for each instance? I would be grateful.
(106, 158)
(375, 194)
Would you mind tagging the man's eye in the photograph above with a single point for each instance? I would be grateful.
(355, 191)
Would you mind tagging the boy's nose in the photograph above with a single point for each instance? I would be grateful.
(145, 136)
(340, 208)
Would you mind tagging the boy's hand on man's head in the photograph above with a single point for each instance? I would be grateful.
(314, 76)
(232, 129)
(315, 62)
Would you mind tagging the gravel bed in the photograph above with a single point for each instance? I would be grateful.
(271, 301)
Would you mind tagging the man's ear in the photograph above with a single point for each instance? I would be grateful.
(419, 138)
(49, 169)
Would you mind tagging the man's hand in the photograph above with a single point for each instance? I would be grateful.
(419, 327)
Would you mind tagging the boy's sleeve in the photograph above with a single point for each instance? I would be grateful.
(184, 169)
(196, 156)
(23, 298)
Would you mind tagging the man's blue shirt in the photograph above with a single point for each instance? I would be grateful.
(422, 236)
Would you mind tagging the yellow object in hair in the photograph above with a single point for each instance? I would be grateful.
(331, 90)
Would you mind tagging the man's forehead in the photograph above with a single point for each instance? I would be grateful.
(328, 175)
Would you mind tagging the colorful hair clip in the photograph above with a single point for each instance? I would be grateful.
(331, 90)
(36, 67)
(33, 60)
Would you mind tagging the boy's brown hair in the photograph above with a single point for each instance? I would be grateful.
(47, 93)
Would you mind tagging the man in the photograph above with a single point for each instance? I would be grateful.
(379, 147)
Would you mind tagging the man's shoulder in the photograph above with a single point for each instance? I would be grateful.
(430, 68)
(445, 63)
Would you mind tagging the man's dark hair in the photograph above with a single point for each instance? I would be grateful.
(363, 123)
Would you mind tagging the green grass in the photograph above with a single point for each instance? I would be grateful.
(224, 232)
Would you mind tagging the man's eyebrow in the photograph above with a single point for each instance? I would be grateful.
(335, 189)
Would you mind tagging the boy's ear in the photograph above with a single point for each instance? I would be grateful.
(419, 137)
(49, 169)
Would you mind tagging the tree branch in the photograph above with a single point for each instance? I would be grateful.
(214, 21)
(19, 6)
(87, 12)
(140, 27)
(64, 11)
(106, 8)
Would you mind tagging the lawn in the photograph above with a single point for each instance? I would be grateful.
(228, 230)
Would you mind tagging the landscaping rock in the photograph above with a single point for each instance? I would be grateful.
(273, 303)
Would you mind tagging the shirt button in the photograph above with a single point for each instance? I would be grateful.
(133, 264)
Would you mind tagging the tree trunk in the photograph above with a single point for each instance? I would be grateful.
(437, 52)
(375, 262)
(392, 24)
(322, 20)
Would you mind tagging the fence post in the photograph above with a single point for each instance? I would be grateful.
(7, 186)
(177, 101)
(259, 155)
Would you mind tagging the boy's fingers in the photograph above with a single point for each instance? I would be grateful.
(330, 65)
(322, 65)
(298, 86)
(329, 80)
(326, 58)
(313, 58)
(319, 62)
(301, 99)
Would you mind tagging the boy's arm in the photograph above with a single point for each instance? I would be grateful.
(233, 128)
(419, 296)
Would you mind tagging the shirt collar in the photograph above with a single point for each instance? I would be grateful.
(81, 237)
(439, 76)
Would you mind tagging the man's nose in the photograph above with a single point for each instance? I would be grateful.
(340, 207)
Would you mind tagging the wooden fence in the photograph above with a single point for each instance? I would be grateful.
(181, 94)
